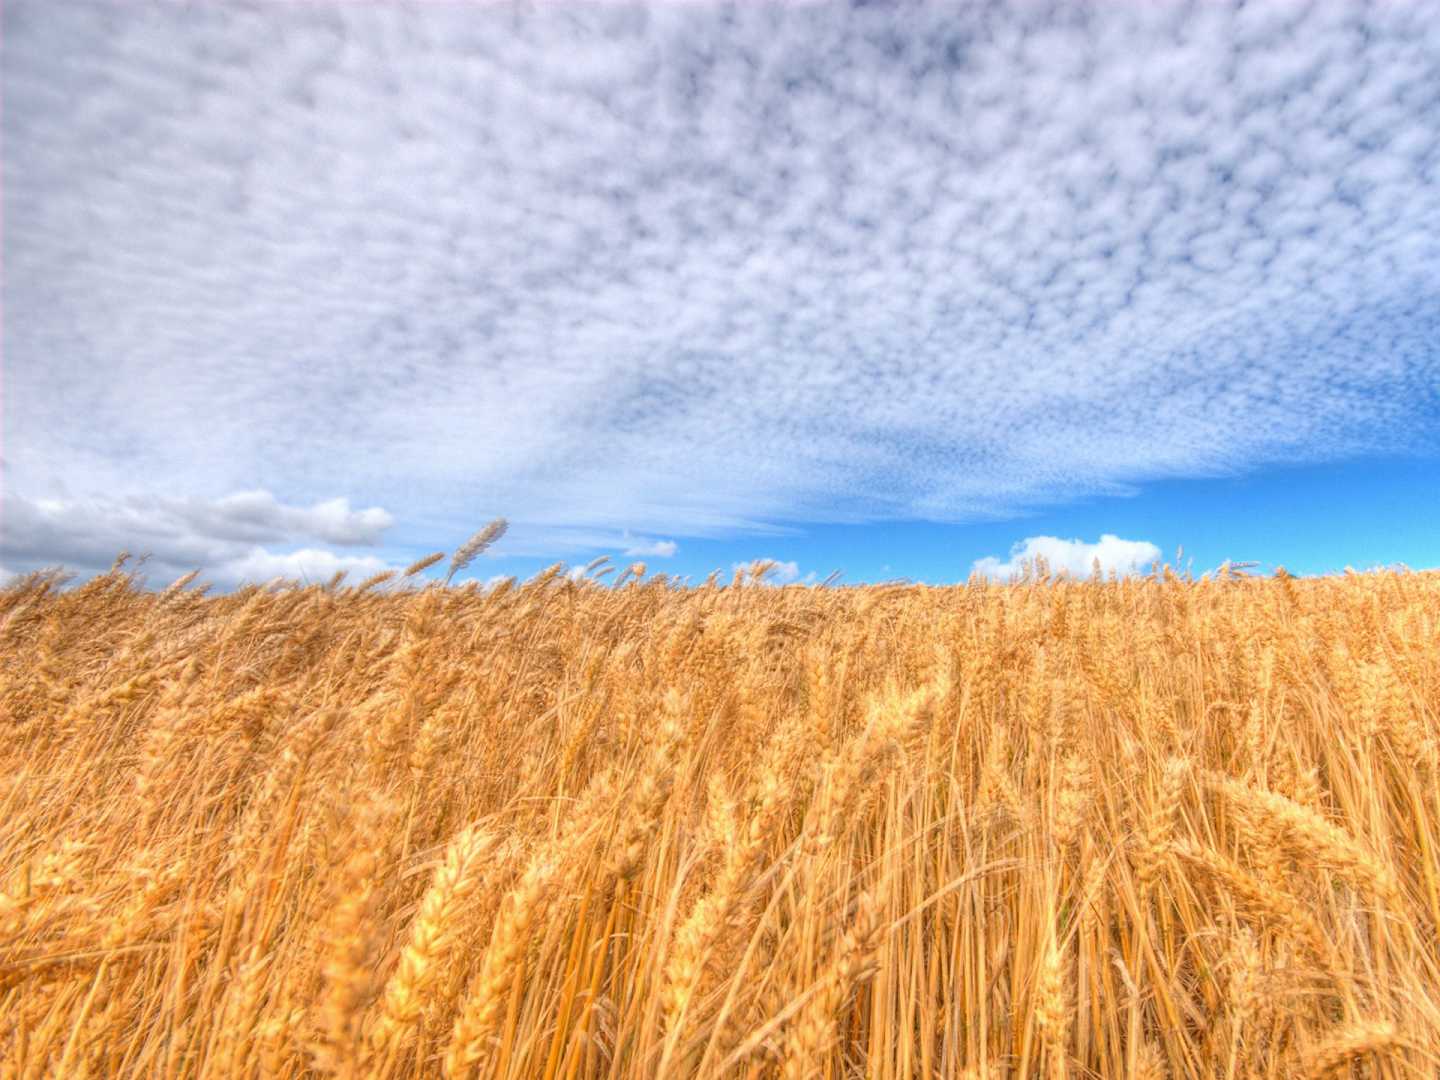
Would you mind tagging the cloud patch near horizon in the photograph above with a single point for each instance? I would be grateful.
(652, 549)
(778, 572)
(948, 263)
(230, 539)
(1075, 557)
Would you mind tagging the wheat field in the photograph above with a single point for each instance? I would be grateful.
(1153, 827)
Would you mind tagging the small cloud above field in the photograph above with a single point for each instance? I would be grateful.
(1074, 556)
(310, 565)
(777, 573)
(651, 549)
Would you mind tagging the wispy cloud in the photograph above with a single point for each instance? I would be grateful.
(1076, 557)
(943, 262)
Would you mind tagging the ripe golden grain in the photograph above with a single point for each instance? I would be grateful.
(1335, 1056)
(557, 829)
(436, 930)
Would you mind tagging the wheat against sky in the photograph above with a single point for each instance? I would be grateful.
(292, 288)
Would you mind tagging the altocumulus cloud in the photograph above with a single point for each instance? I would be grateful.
(940, 262)
(1076, 557)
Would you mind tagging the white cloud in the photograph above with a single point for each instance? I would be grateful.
(695, 271)
(783, 573)
(312, 565)
(230, 539)
(656, 549)
(1075, 556)
(780, 572)
(258, 514)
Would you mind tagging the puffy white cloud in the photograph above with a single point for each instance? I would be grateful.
(694, 270)
(230, 539)
(1074, 556)
(258, 515)
(783, 573)
(656, 549)
(779, 573)
(311, 565)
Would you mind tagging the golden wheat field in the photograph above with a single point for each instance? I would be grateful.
(1141, 828)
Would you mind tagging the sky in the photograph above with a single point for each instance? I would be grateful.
(899, 290)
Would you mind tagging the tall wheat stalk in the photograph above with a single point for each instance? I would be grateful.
(557, 829)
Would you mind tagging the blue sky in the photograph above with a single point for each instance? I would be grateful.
(896, 290)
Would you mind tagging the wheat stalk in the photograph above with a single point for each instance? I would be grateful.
(465, 554)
